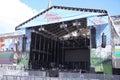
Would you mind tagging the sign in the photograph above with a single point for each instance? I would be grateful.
(52, 17)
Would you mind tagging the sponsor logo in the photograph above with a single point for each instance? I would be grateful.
(52, 17)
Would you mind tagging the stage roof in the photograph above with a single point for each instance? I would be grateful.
(57, 14)
(116, 22)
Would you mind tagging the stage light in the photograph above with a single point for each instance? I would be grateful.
(41, 29)
(63, 25)
(76, 23)
(33, 30)
(75, 34)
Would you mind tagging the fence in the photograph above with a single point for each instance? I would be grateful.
(10, 70)
(18, 73)
(9, 77)
(40, 75)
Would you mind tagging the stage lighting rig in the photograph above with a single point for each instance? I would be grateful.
(76, 23)
(41, 29)
(63, 25)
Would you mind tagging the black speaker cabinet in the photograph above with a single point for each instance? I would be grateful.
(24, 43)
(103, 45)
(93, 37)
(53, 73)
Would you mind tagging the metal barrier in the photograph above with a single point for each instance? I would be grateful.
(69, 74)
(42, 75)
(11, 67)
(8, 77)
(81, 77)
(36, 73)
(88, 76)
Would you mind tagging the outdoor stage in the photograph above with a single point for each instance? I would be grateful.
(67, 39)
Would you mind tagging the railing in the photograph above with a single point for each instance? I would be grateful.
(88, 76)
(15, 73)
(83, 77)
(41, 75)
(10, 70)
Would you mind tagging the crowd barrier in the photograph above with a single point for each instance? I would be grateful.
(63, 76)
(9, 77)
(15, 73)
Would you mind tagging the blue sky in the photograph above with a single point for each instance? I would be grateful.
(18, 11)
(112, 6)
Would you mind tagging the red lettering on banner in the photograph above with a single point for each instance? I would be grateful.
(97, 21)
(52, 17)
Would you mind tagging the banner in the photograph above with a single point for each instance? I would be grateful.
(101, 58)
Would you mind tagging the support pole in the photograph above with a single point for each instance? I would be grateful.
(43, 50)
(54, 52)
(63, 52)
(35, 41)
(47, 51)
(39, 47)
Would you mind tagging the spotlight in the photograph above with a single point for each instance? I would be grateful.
(33, 30)
(41, 29)
(63, 25)
(76, 23)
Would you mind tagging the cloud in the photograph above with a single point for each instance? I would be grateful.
(12, 13)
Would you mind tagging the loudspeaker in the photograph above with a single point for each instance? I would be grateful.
(53, 73)
(93, 37)
(103, 45)
(24, 43)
